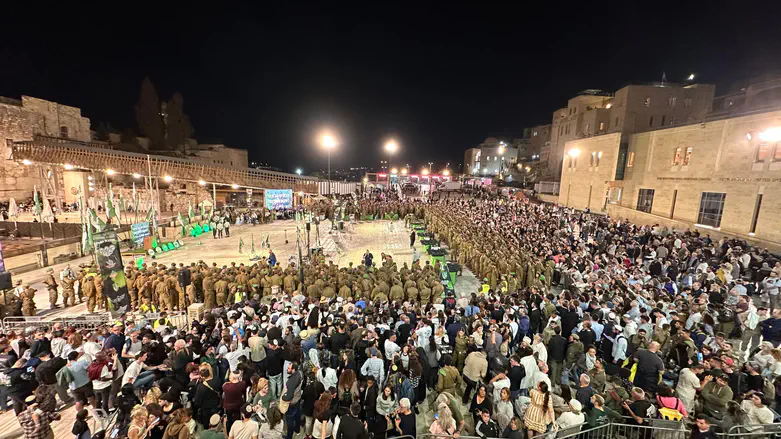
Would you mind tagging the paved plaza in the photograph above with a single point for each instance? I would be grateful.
(340, 247)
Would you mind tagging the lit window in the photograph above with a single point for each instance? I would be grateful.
(630, 160)
(599, 156)
(671, 101)
(711, 208)
(535, 134)
(677, 157)
(645, 200)
(763, 152)
(602, 126)
(688, 156)
(647, 102)
(585, 130)
(593, 158)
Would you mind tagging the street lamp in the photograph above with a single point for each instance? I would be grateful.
(298, 171)
(328, 142)
(202, 182)
(424, 171)
(390, 147)
(110, 172)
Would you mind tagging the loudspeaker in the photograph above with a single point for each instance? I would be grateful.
(308, 227)
(5, 281)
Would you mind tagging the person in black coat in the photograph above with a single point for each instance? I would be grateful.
(351, 426)
(557, 353)
(207, 397)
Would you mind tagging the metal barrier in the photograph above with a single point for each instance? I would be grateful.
(88, 321)
(658, 429)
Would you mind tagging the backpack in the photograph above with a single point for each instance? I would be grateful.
(670, 414)
(94, 371)
(450, 302)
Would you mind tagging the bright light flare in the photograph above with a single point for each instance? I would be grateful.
(234, 186)
(68, 167)
(771, 134)
(573, 152)
(391, 147)
(446, 172)
(299, 171)
(136, 175)
(168, 178)
(404, 171)
(328, 141)
(424, 172)
(394, 171)
(110, 171)
(26, 162)
(691, 77)
(202, 182)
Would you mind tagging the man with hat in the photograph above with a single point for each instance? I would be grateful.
(28, 301)
(715, 394)
(216, 428)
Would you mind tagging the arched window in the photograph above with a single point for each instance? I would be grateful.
(64, 132)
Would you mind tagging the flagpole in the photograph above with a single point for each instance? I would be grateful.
(135, 201)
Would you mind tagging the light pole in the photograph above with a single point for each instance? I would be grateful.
(390, 148)
(328, 142)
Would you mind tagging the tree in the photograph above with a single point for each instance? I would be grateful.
(149, 116)
(178, 124)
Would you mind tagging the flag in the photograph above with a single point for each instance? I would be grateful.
(47, 214)
(121, 202)
(36, 201)
(190, 212)
(13, 210)
(150, 213)
(241, 244)
(203, 210)
(253, 242)
(95, 221)
(110, 210)
(85, 246)
(135, 197)
(181, 221)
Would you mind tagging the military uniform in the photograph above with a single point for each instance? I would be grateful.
(51, 285)
(28, 301)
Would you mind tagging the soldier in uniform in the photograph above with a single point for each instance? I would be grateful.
(51, 285)
(162, 295)
(89, 291)
(209, 298)
(191, 294)
(221, 289)
(101, 300)
(68, 292)
(28, 301)
(132, 289)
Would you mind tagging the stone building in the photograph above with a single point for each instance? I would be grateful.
(26, 119)
(218, 154)
(721, 175)
(490, 157)
(632, 109)
(539, 139)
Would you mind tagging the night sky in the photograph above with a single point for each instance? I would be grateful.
(437, 78)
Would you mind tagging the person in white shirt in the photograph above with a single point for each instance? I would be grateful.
(391, 348)
(538, 347)
(756, 410)
(327, 377)
(236, 351)
(572, 418)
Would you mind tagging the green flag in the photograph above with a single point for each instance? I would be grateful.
(36, 201)
(181, 221)
(95, 221)
(150, 213)
(203, 210)
(241, 244)
(190, 212)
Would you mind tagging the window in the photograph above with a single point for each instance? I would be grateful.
(651, 121)
(711, 208)
(763, 152)
(662, 124)
(535, 134)
(602, 126)
(64, 132)
(575, 110)
(599, 156)
(630, 161)
(687, 102)
(645, 200)
(593, 158)
(688, 156)
(677, 157)
(671, 101)
(647, 102)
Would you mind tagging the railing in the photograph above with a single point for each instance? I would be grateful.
(657, 429)
(88, 321)
(128, 163)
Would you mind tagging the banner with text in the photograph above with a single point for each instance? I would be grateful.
(140, 231)
(279, 198)
(111, 270)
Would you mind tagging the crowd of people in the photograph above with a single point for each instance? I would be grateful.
(580, 321)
